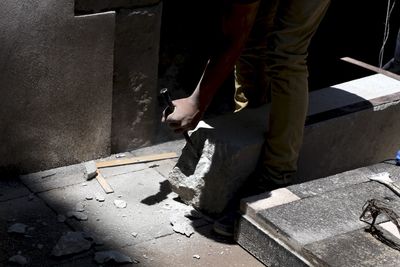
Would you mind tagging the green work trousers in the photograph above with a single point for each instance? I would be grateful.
(272, 67)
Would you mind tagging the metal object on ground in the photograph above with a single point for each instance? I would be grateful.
(384, 178)
(371, 67)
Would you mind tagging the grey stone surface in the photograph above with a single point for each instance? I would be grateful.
(317, 218)
(54, 178)
(356, 248)
(147, 213)
(56, 84)
(331, 183)
(225, 144)
(101, 5)
(135, 78)
(323, 226)
(178, 250)
(266, 249)
(365, 137)
(12, 188)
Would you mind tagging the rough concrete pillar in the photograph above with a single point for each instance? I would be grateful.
(136, 115)
(135, 105)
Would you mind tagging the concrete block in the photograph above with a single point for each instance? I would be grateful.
(209, 183)
(135, 78)
(320, 227)
(56, 84)
(90, 170)
(353, 125)
(316, 218)
(101, 5)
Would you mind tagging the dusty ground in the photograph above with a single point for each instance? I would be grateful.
(143, 230)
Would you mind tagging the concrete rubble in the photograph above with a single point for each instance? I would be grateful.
(121, 204)
(18, 259)
(18, 228)
(102, 257)
(80, 216)
(72, 243)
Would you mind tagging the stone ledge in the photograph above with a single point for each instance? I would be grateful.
(312, 225)
(353, 124)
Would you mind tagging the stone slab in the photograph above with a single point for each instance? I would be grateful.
(316, 218)
(56, 82)
(272, 252)
(357, 248)
(54, 178)
(231, 144)
(137, 38)
(318, 221)
(101, 5)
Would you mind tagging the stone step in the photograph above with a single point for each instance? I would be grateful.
(349, 125)
(317, 223)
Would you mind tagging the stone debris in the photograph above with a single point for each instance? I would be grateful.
(100, 198)
(122, 155)
(193, 214)
(72, 243)
(80, 216)
(18, 228)
(196, 256)
(121, 204)
(18, 259)
(182, 225)
(61, 218)
(84, 184)
(112, 255)
(89, 197)
(90, 170)
(134, 234)
(31, 197)
(80, 207)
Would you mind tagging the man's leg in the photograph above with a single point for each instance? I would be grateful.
(250, 82)
(295, 23)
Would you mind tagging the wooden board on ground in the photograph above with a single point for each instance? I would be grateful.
(106, 187)
(141, 159)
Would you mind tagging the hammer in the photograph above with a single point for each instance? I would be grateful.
(167, 98)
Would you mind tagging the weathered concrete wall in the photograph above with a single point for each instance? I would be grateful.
(56, 84)
(77, 86)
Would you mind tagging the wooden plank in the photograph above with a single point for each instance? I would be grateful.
(106, 186)
(142, 159)
(371, 67)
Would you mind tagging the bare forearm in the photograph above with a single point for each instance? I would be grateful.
(237, 26)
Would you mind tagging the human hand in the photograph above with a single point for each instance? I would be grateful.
(185, 116)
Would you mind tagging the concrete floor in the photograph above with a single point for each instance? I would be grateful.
(142, 231)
